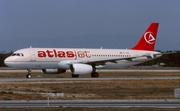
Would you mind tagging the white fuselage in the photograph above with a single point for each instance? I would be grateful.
(49, 58)
(85, 61)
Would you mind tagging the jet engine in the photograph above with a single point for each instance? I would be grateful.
(53, 71)
(81, 68)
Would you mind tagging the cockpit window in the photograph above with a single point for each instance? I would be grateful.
(17, 54)
(13, 54)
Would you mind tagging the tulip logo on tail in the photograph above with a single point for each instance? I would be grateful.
(149, 38)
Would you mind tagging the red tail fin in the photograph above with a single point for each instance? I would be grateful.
(148, 39)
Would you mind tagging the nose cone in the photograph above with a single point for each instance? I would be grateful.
(8, 62)
(12, 62)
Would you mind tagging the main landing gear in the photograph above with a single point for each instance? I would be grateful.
(29, 73)
(95, 74)
(75, 75)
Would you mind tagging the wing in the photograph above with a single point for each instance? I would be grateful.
(114, 60)
(103, 61)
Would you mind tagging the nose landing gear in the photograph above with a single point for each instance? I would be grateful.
(29, 74)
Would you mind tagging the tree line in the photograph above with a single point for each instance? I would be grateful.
(170, 60)
(3, 57)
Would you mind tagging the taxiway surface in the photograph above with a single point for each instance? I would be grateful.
(94, 103)
(89, 79)
(120, 70)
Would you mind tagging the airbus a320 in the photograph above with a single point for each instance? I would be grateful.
(85, 61)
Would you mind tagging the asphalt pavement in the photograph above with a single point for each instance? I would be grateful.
(94, 103)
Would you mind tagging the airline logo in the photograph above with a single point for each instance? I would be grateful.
(149, 38)
(63, 54)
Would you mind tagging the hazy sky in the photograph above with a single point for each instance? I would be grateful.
(87, 23)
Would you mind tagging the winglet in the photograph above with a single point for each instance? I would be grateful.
(148, 39)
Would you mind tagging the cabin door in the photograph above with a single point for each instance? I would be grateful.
(32, 53)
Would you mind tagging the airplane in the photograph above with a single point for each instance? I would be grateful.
(85, 61)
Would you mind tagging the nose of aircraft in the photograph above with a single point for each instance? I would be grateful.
(12, 62)
(7, 62)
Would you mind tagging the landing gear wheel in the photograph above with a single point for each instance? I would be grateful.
(75, 75)
(29, 73)
(95, 74)
(28, 76)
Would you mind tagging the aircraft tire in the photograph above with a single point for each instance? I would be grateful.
(28, 76)
(95, 74)
(75, 75)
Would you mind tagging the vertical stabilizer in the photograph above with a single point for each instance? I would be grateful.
(148, 39)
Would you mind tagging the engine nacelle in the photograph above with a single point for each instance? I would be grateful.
(81, 68)
(65, 64)
(53, 71)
